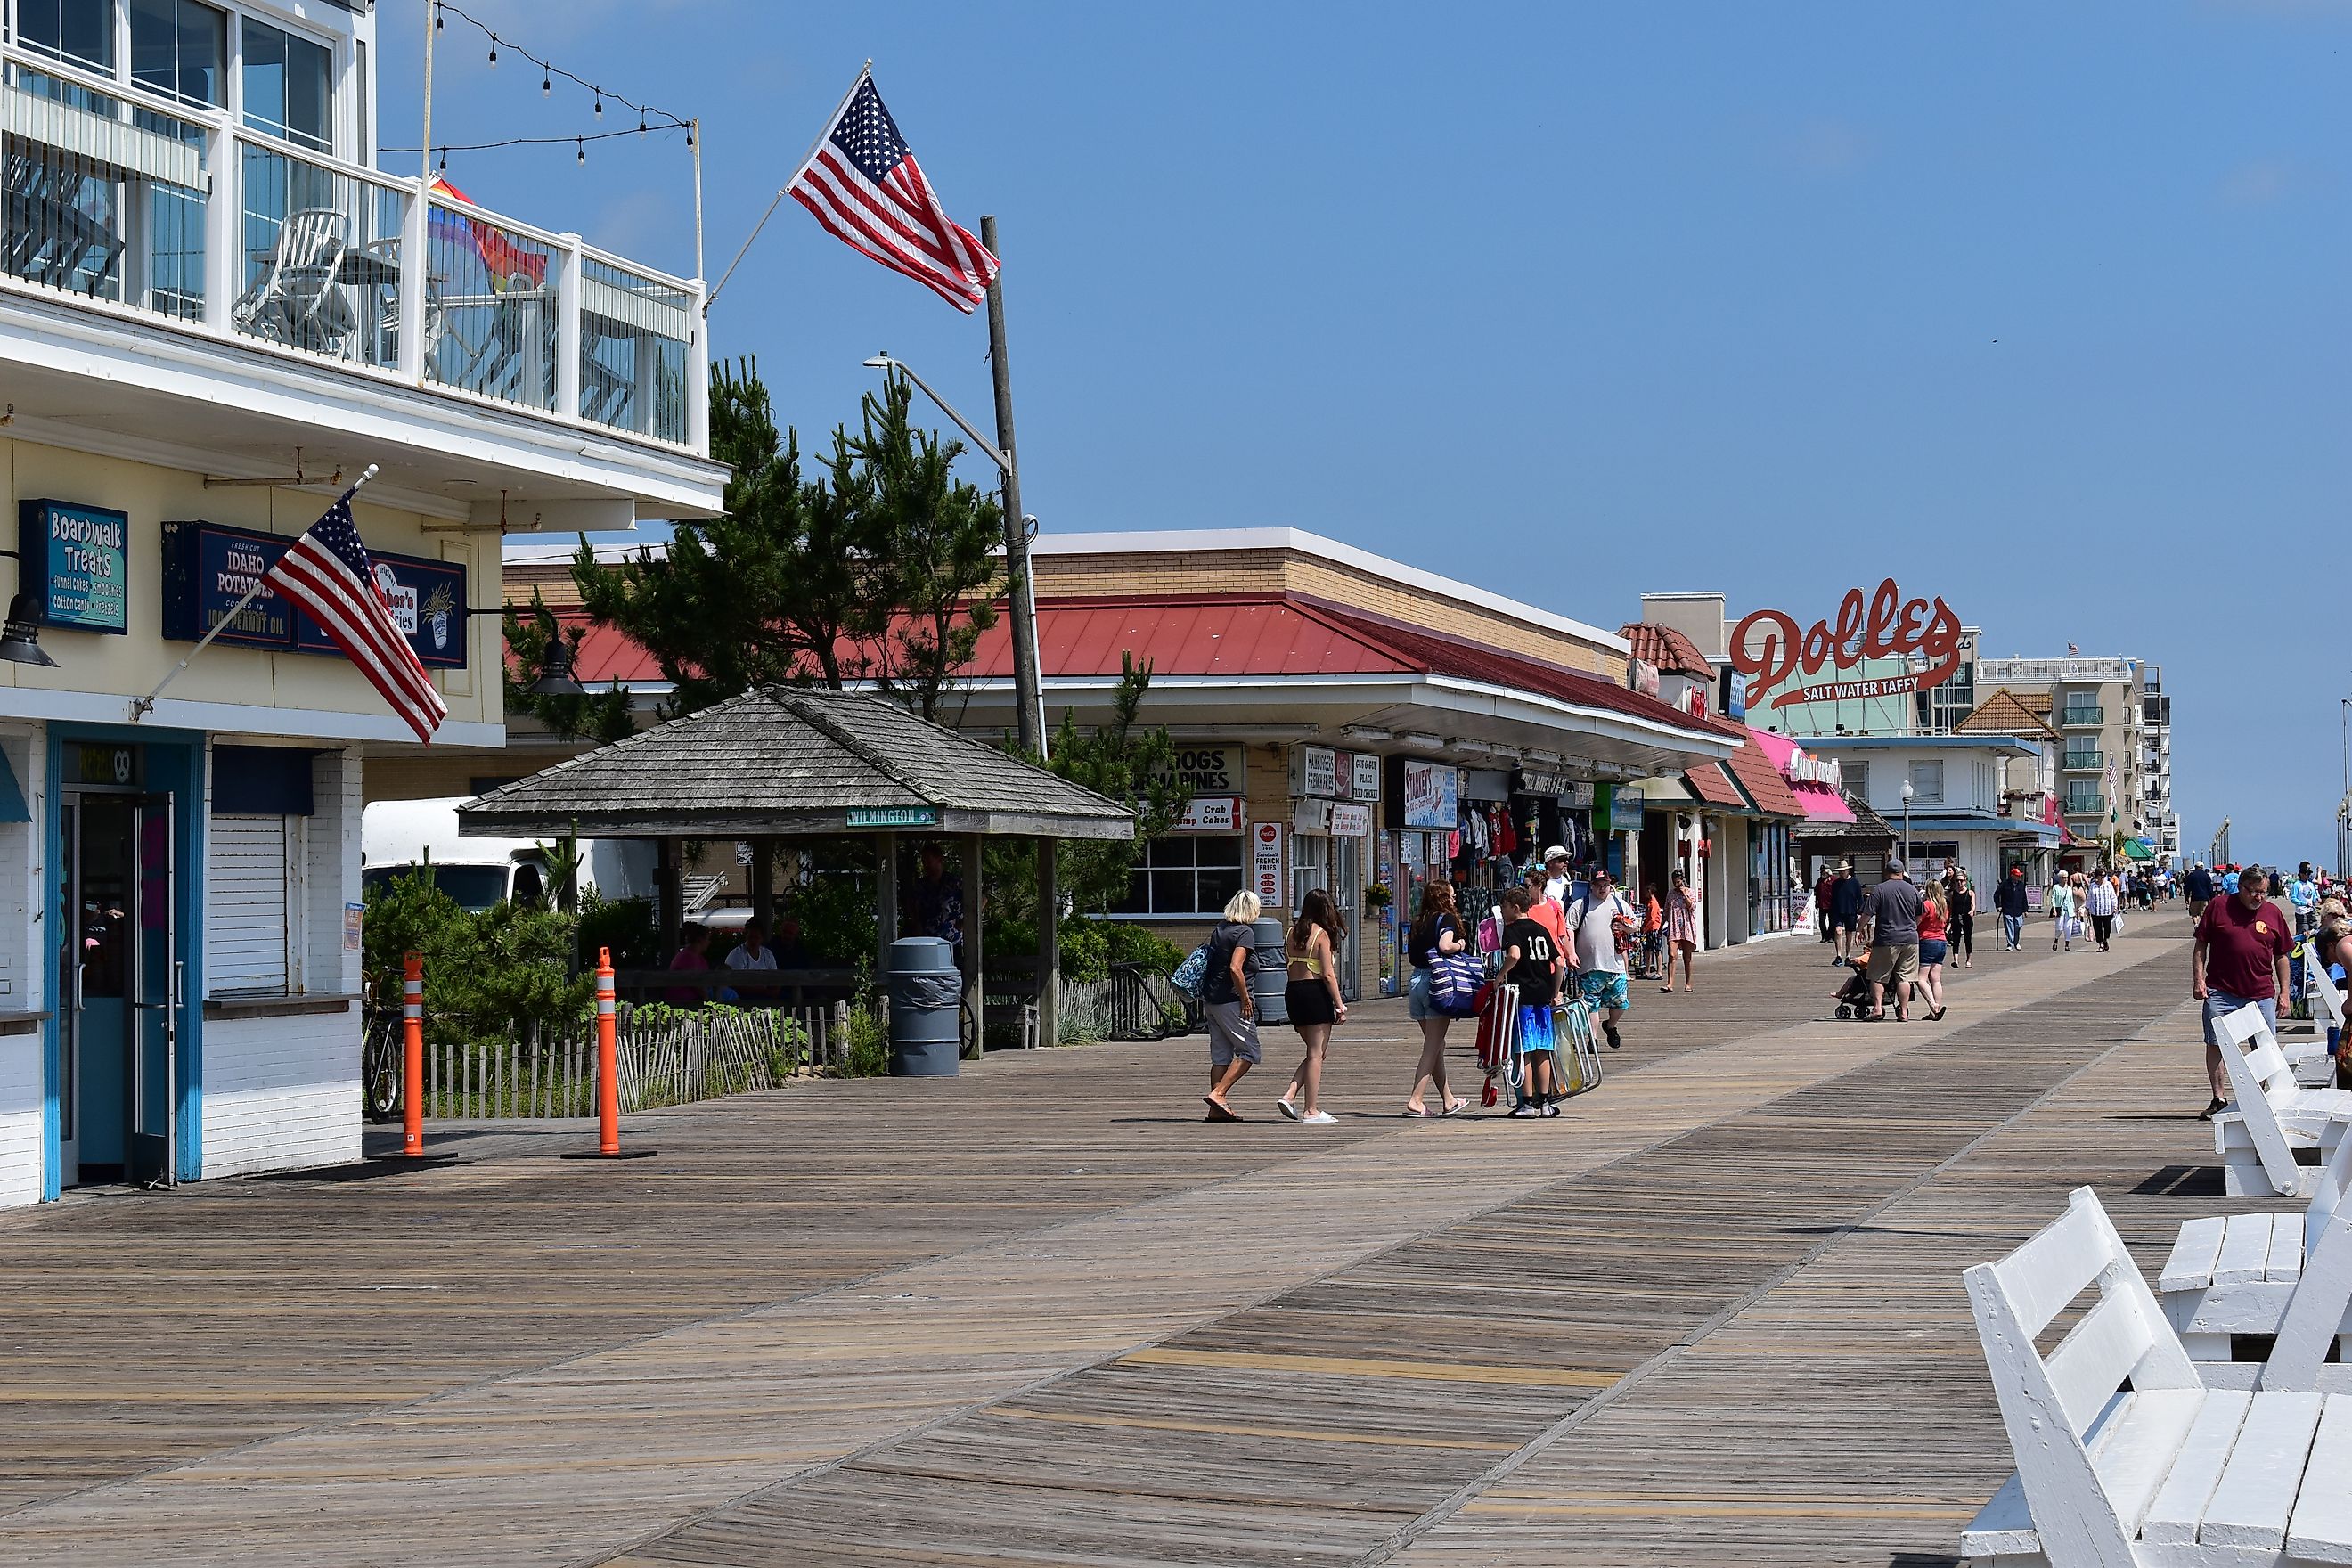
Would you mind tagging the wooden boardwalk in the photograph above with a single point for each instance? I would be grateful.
(1042, 1314)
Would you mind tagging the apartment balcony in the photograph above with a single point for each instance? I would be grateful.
(2082, 718)
(2084, 761)
(2050, 671)
(2084, 806)
(172, 277)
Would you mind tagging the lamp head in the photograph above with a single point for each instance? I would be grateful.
(20, 635)
(880, 362)
(555, 676)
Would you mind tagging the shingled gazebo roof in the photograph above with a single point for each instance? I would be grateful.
(789, 763)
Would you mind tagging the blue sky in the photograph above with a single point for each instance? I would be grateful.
(2041, 308)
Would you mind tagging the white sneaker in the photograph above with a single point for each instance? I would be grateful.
(1319, 1119)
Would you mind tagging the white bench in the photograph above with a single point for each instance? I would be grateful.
(2313, 1066)
(2238, 1275)
(2166, 1472)
(2270, 1115)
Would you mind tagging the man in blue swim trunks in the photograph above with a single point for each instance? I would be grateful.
(1601, 928)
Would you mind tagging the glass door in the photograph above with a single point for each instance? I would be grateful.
(1347, 892)
(119, 983)
(154, 999)
(96, 962)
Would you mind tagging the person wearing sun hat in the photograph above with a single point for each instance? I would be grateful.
(1557, 881)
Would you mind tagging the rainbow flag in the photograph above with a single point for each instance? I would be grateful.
(509, 266)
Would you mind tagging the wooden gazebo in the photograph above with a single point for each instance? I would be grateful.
(784, 762)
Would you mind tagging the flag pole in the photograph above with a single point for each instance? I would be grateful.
(1028, 692)
(142, 706)
(785, 189)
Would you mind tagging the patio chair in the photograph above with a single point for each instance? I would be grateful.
(297, 301)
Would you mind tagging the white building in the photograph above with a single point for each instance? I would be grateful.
(1947, 796)
(206, 291)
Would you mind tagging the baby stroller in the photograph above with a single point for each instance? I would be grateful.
(1853, 996)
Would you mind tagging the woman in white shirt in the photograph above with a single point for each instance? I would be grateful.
(2061, 912)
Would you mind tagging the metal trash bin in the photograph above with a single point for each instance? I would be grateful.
(1269, 970)
(926, 989)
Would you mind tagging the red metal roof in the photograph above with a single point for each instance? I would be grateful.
(1441, 655)
(1713, 785)
(1236, 636)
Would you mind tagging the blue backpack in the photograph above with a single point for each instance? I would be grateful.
(1192, 972)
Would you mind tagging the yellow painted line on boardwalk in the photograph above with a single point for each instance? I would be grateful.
(1352, 1366)
(1302, 1434)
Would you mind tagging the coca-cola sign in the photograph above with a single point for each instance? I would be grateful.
(1767, 647)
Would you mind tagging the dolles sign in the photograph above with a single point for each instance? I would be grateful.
(1768, 649)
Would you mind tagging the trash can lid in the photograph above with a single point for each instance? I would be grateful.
(921, 955)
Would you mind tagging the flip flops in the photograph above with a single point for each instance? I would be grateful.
(1220, 1112)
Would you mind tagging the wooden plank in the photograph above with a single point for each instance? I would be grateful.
(2320, 1530)
(2172, 1519)
(2285, 1260)
(2246, 1250)
(2189, 1264)
(2257, 1491)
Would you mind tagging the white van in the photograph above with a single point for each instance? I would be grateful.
(396, 836)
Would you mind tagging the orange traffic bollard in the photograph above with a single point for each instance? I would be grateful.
(608, 1058)
(608, 1070)
(412, 1071)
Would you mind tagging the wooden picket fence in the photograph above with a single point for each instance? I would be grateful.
(666, 1056)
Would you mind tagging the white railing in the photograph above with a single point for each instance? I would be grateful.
(1996, 671)
(120, 199)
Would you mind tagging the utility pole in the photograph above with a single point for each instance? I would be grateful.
(1028, 691)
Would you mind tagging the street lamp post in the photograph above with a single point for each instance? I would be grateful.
(1029, 697)
(1906, 825)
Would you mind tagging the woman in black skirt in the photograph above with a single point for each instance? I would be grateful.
(1313, 997)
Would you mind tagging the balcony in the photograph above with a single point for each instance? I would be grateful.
(2050, 671)
(2084, 761)
(149, 217)
(2084, 806)
(2082, 717)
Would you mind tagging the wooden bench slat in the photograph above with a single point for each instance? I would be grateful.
(2196, 1470)
(2095, 1356)
(2190, 1266)
(2003, 1527)
(2321, 1528)
(2051, 1268)
(2135, 1449)
(2258, 1486)
(2286, 1248)
(2246, 1250)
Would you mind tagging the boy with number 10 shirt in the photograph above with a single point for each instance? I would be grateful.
(1531, 962)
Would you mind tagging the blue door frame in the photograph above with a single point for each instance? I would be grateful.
(173, 762)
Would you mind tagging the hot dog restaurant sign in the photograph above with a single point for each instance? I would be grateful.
(1785, 666)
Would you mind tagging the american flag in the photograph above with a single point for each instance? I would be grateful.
(863, 185)
(327, 572)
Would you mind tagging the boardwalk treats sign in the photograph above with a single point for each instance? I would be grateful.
(1785, 666)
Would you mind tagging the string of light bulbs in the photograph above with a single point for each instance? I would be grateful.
(650, 118)
(580, 143)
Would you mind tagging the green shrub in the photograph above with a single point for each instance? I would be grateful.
(837, 920)
(487, 976)
(869, 1041)
(624, 925)
(1128, 943)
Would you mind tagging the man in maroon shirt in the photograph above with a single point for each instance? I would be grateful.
(2239, 960)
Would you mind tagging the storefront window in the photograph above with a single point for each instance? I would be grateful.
(1188, 875)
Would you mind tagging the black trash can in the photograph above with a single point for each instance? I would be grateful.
(925, 990)
(1269, 970)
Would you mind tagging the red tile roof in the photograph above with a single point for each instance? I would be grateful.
(1763, 783)
(1667, 648)
(1713, 785)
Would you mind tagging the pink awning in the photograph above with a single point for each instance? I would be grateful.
(1821, 804)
